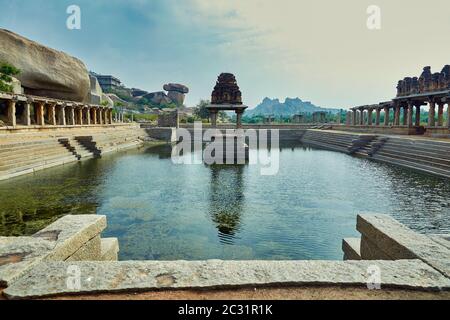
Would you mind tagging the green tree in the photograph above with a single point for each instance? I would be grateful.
(6, 72)
(201, 110)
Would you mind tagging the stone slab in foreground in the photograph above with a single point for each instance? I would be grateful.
(389, 238)
(58, 242)
(56, 278)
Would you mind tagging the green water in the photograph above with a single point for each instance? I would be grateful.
(160, 210)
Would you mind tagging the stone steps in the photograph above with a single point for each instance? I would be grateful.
(416, 156)
(420, 146)
(35, 152)
(426, 156)
(19, 171)
(412, 161)
(76, 148)
(23, 153)
(4, 149)
(413, 166)
(28, 164)
(348, 143)
(435, 154)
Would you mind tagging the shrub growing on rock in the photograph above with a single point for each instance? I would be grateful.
(6, 72)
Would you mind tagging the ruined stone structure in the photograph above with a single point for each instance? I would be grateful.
(25, 110)
(169, 119)
(298, 118)
(226, 96)
(319, 116)
(412, 93)
(269, 119)
(226, 90)
(427, 82)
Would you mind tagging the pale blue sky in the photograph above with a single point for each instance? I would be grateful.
(320, 50)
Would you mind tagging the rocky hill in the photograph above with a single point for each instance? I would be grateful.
(290, 107)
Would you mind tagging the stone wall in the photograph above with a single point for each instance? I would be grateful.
(168, 120)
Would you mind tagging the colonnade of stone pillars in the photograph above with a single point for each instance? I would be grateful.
(26, 111)
(404, 114)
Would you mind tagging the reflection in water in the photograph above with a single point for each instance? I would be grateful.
(226, 200)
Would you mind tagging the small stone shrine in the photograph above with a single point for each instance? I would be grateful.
(226, 97)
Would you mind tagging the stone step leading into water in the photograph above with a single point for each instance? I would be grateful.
(385, 238)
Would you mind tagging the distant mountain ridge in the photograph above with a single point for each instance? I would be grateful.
(290, 107)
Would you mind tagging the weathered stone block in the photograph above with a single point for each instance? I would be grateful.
(109, 249)
(57, 242)
(19, 254)
(370, 251)
(73, 231)
(399, 242)
(50, 278)
(352, 248)
(90, 251)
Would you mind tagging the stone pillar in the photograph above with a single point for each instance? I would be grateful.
(12, 113)
(440, 114)
(369, 117)
(80, 116)
(361, 117)
(27, 114)
(405, 116)
(353, 117)
(72, 115)
(88, 115)
(417, 115)
(213, 114)
(387, 116)
(51, 115)
(377, 116)
(410, 115)
(99, 116)
(448, 116)
(239, 119)
(40, 114)
(62, 115)
(431, 114)
(110, 116)
(397, 116)
(94, 115)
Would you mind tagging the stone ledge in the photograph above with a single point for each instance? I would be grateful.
(73, 232)
(399, 242)
(57, 242)
(109, 249)
(352, 248)
(51, 278)
(90, 251)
